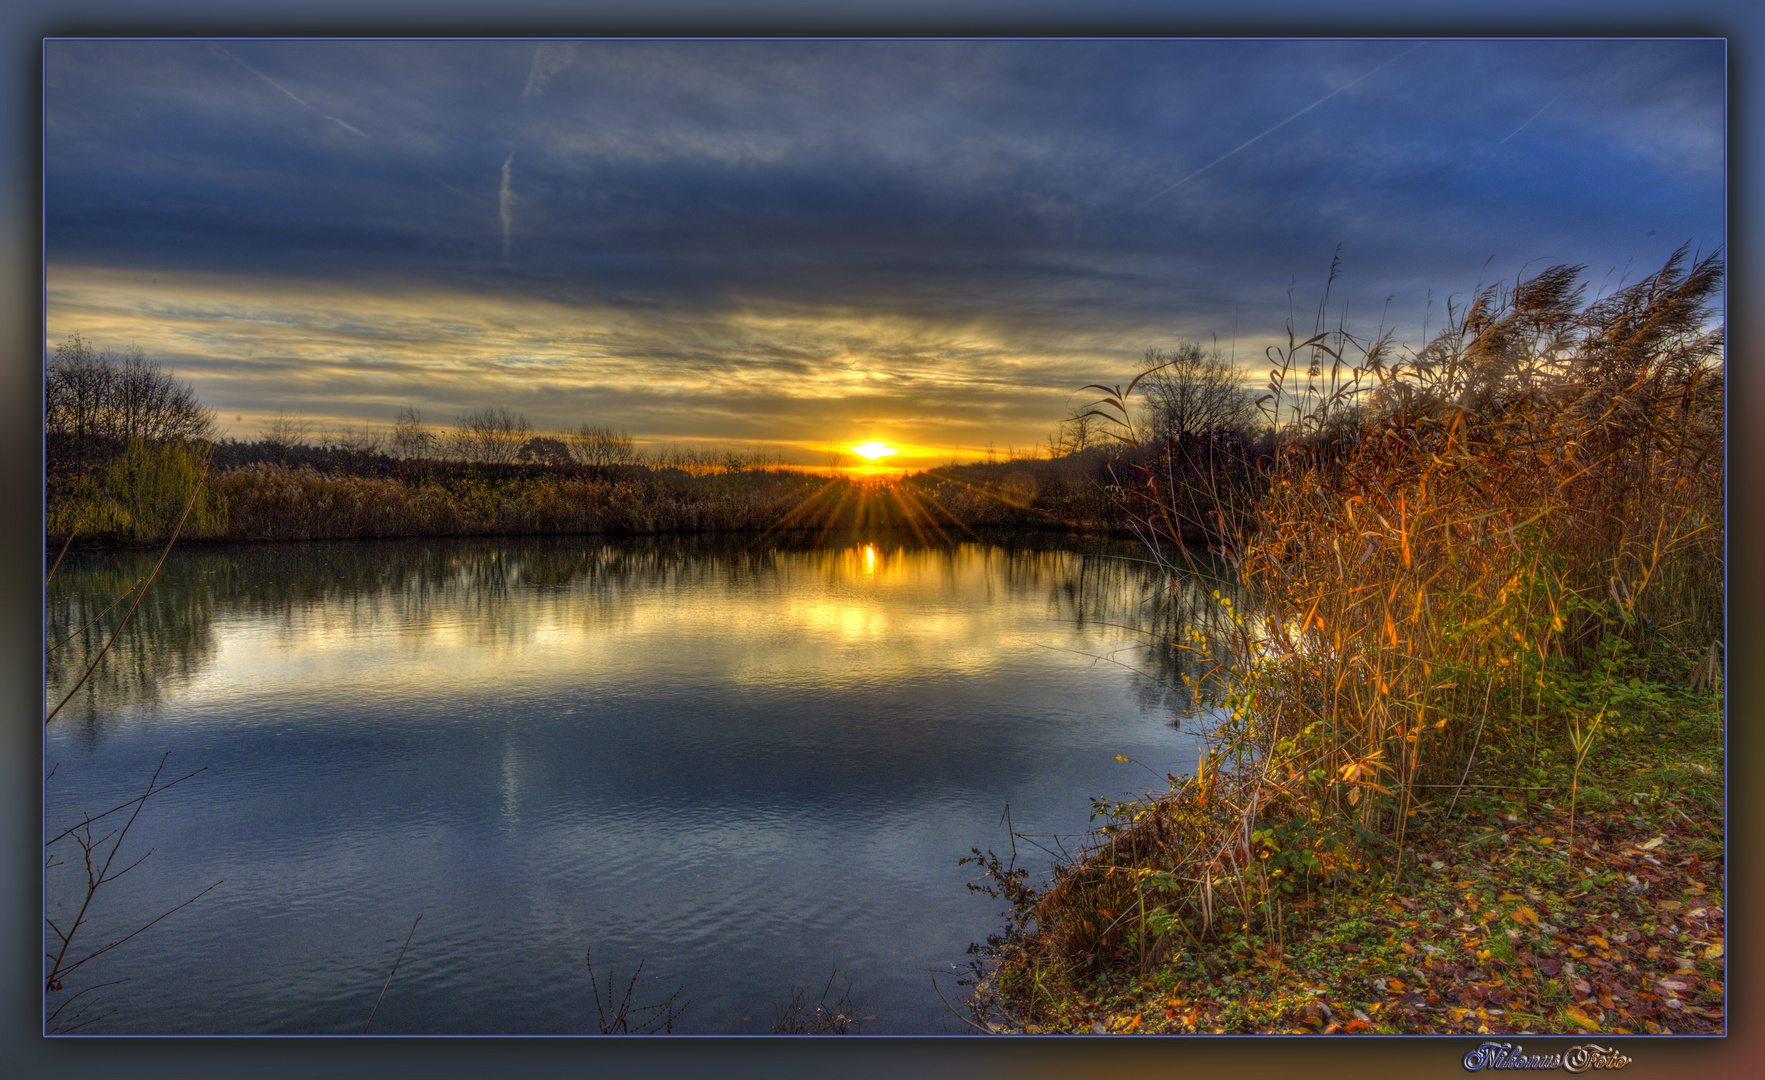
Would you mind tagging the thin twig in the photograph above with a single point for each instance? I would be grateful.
(195, 493)
(93, 619)
(93, 881)
(120, 806)
(99, 952)
(390, 974)
(57, 563)
(50, 1020)
(952, 1008)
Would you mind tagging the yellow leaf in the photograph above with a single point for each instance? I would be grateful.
(1525, 916)
(1581, 1019)
(1595, 939)
(1714, 952)
(1508, 898)
(1652, 844)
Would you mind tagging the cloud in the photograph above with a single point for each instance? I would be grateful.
(549, 58)
(958, 230)
(763, 372)
(505, 200)
(344, 124)
(1269, 131)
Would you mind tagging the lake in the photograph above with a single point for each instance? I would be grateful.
(740, 763)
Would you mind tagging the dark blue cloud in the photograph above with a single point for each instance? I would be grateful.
(1094, 192)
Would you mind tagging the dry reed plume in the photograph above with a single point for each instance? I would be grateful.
(1464, 554)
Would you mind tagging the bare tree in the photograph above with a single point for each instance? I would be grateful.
(598, 444)
(285, 430)
(1075, 434)
(1189, 392)
(492, 435)
(98, 401)
(410, 438)
(734, 461)
(363, 439)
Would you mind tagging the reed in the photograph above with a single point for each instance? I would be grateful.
(1535, 497)
(1465, 560)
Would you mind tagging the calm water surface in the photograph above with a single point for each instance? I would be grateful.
(737, 764)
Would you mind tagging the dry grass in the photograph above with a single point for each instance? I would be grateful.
(1520, 530)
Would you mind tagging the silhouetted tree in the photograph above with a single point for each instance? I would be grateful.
(284, 431)
(597, 444)
(1077, 433)
(1190, 393)
(410, 438)
(544, 450)
(95, 402)
(358, 439)
(492, 435)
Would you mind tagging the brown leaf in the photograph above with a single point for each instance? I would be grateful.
(1581, 1019)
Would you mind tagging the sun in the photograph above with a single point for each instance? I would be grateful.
(873, 450)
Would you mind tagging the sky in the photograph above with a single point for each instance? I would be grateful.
(797, 244)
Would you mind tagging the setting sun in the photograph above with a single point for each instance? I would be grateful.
(873, 450)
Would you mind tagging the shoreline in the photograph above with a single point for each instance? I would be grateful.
(1485, 928)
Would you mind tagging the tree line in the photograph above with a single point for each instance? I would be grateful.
(97, 402)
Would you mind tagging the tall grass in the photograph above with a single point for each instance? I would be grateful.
(1465, 554)
(1536, 499)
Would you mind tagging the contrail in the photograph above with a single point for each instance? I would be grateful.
(455, 190)
(549, 58)
(346, 125)
(1285, 122)
(1533, 117)
(504, 199)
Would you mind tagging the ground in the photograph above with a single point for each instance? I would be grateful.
(1490, 929)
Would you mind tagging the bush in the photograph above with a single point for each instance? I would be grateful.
(142, 495)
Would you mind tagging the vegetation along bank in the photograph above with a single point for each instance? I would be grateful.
(1467, 773)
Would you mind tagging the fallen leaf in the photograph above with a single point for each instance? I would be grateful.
(1714, 952)
(1525, 916)
(1650, 845)
(1581, 1019)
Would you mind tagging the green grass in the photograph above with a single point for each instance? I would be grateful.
(1487, 930)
